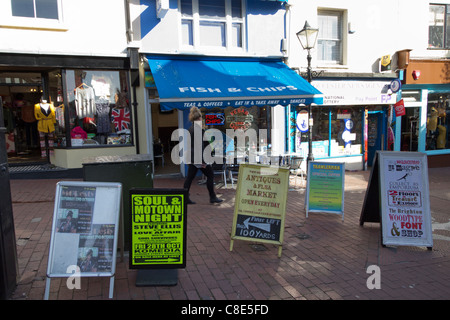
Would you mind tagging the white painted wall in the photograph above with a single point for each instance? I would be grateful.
(381, 27)
(86, 27)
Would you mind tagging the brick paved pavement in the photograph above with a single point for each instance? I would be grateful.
(323, 258)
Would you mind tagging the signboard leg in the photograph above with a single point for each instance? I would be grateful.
(231, 245)
(111, 287)
(47, 288)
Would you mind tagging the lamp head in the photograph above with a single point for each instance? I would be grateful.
(308, 36)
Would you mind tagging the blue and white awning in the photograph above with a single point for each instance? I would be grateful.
(234, 82)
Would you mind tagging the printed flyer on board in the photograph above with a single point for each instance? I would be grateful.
(325, 187)
(91, 244)
(406, 212)
(158, 230)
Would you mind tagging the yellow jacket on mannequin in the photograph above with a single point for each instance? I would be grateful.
(46, 118)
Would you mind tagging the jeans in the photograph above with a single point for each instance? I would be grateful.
(208, 172)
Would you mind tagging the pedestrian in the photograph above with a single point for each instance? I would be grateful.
(196, 117)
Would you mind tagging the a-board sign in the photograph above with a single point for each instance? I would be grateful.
(404, 200)
(158, 223)
(84, 230)
(325, 188)
(260, 205)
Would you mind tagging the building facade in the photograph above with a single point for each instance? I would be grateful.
(225, 57)
(370, 55)
(64, 81)
(100, 69)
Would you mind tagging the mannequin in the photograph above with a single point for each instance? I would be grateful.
(44, 112)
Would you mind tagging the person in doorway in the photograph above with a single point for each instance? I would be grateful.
(196, 117)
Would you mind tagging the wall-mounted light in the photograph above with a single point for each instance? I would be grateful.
(350, 29)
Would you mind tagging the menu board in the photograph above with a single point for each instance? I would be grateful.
(158, 228)
(405, 204)
(325, 189)
(260, 204)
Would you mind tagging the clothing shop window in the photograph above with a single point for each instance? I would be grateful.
(439, 26)
(330, 38)
(437, 121)
(98, 108)
(212, 23)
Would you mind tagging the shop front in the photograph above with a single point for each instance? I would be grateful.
(352, 123)
(426, 96)
(234, 94)
(61, 109)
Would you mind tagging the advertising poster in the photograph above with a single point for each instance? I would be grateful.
(260, 205)
(404, 192)
(158, 228)
(325, 189)
(85, 225)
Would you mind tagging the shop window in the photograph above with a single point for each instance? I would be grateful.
(212, 23)
(346, 131)
(98, 108)
(242, 118)
(439, 26)
(437, 123)
(336, 132)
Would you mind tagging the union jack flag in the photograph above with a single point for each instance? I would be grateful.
(121, 118)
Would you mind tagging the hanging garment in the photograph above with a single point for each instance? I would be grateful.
(59, 112)
(85, 102)
(121, 118)
(103, 119)
(46, 117)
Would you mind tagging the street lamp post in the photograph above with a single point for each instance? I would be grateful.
(308, 37)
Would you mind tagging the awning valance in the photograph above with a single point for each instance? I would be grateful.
(234, 82)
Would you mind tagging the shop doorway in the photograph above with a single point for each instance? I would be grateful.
(410, 129)
(163, 124)
(20, 92)
(376, 139)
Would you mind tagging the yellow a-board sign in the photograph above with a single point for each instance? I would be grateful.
(260, 205)
(158, 228)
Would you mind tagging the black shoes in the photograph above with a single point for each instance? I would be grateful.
(215, 200)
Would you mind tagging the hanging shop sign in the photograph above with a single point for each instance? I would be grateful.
(395, 85)
(260, 205)
(400, 108)
(325, 189)
(302, 121)
(398, 196)
(84, 230)
(385, 63)
(158, 228)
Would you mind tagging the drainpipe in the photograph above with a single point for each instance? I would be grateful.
(286, 42)
(133, 55)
